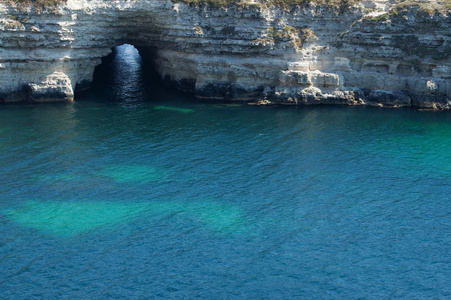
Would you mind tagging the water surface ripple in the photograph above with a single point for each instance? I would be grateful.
(139, 192)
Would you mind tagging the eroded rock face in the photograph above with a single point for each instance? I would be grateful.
(306, 56)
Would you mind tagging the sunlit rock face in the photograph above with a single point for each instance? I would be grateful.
(367, 55)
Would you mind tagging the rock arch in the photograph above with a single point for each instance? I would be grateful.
(52, 54)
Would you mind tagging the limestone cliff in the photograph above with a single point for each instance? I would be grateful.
(377, 52)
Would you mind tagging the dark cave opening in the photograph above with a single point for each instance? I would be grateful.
(127, 76)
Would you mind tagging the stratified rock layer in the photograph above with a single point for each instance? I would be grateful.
(305, 56)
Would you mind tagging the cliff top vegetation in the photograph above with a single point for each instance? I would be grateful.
(335, 4)
(38, 4)
(429, 6)
(339, 4)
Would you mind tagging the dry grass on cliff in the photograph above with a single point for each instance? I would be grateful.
(340, 5)
(430, 6)
(37, 4)
(334, 4)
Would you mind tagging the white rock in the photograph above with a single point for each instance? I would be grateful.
(219, 52)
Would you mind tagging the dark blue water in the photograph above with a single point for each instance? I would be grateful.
(135, 191)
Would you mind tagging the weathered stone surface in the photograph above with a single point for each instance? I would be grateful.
(305, 56)
(388, 98)
(56, 87)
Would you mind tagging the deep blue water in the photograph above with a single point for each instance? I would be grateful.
(136, 191)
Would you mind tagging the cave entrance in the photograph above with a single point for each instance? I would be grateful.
(125, 76)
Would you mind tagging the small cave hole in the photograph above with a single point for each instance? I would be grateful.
(126, 76)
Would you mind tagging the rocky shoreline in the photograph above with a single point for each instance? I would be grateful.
(378, 52)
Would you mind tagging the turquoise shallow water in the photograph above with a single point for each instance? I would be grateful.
(138, 192)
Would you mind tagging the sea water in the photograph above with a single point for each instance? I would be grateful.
(136, 191)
